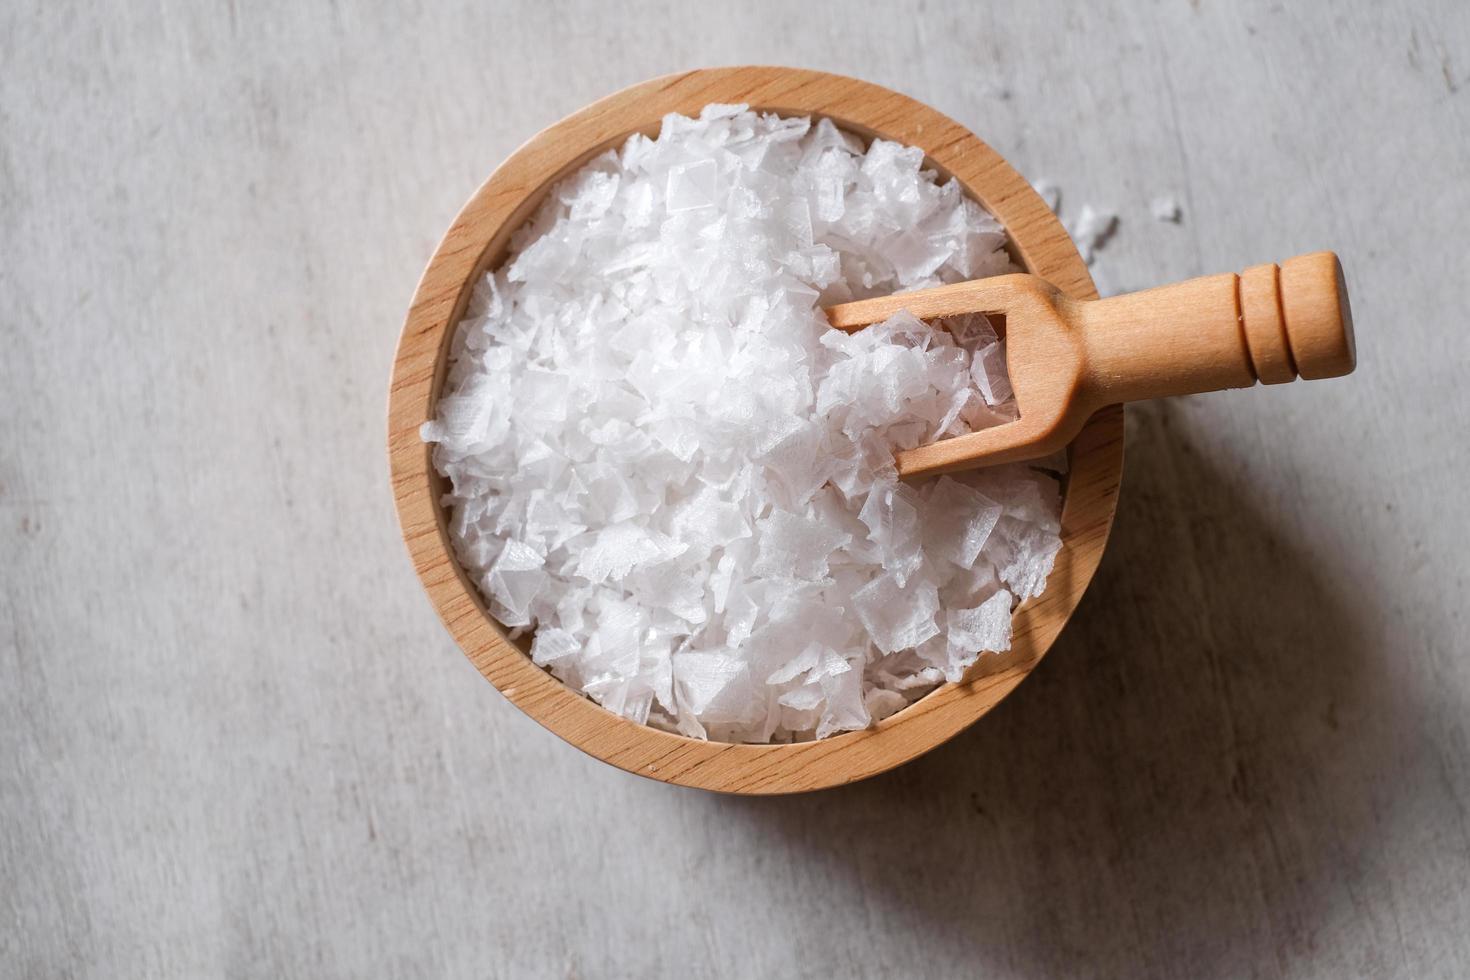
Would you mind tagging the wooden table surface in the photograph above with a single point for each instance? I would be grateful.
(235, 742)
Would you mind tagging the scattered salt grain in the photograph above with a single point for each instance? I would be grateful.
(1166, 207)
(1092, 229)
(663, 460)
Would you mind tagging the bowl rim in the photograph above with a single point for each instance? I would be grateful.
(479, 237)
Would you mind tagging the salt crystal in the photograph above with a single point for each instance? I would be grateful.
(970, 632)
(668, 586)
(958, 522)
(662, 460)
(988, 371)
(795, 546)
(1092, 229)
(882, 702)
(740, 619)
(590, 194)
(639, 214)
(692, 186)
(715, 686)
(797, 665)
(1166, 207)
(615, 646)
(844, 710)
(914, 258)
(897, 618)
(891, 516)
(804, 698)
(972, 331)
(721, 110)
(1024, 554)
(513, 581)
(618, 549)
(551, 644)
(916, 680)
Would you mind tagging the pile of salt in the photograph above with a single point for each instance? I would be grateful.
(663, 460)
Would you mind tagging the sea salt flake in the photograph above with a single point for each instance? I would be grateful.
(618, 549)
(972, 331)
(897, 617)
(707, 520)
(845, 709)
(891, 516)
(514, 581)
(915, 258)
(715, 686)
(797, 665)
(1092, 229)
(988, 371)
(883, 703)
(668, 586)
(805, 698)
(923, 679)
(958, 522)
(721, 110)
(551, 644)
(970, 632)
(591, 194)
(795, 547)
(740, 619)
(1023, 556)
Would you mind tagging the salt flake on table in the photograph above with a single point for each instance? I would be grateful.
(1166, 207)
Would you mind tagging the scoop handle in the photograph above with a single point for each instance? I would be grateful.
(1270, 323)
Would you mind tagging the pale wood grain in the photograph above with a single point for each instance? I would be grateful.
(1265, 327)
(1068, 358)
(478, 239)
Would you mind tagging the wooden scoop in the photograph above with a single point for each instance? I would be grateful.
(1068, 358)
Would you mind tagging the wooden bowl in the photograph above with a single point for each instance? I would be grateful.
(478, 240)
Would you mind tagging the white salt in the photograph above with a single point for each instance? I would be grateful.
(988, 371)
(897, 618)
(971, 631)
(663, 460)
(514, 581)
(1092, 229)
(1166, 207)
(691, 186)
(960, 521)
(795, 547)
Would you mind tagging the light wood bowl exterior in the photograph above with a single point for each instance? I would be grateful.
(477, 241)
